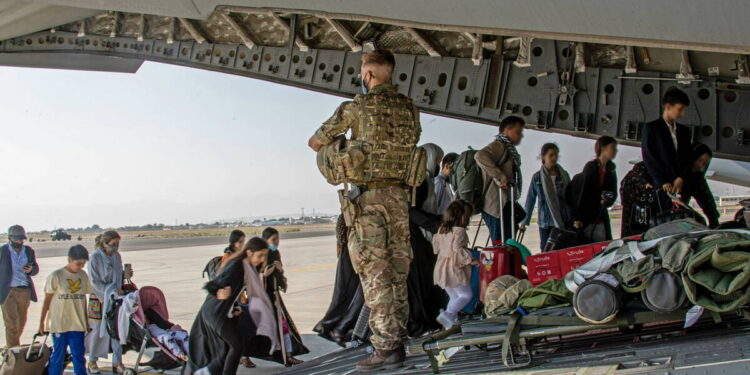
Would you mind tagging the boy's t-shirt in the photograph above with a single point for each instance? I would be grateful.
(67, 311)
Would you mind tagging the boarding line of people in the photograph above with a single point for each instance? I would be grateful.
(72, 307)
(379, 270)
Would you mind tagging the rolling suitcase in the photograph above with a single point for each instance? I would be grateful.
(501, 259)
(26, 359)
(471, 307)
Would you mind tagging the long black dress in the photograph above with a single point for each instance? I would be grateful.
(214, 337)
(425, 298)
(347, 301)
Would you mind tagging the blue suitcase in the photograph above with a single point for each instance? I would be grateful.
(472, 305)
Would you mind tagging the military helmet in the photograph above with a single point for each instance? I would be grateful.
(16, 232)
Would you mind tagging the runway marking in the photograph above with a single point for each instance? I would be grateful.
(317, 268)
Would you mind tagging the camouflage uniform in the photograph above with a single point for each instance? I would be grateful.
(379, 242)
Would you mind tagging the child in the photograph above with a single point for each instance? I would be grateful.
(452, 269)
(65, 301)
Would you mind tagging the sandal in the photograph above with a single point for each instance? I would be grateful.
(246, 362)
(92, 368)
(118, 368)
(291, 361)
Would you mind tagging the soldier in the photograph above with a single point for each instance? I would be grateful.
(387, 124)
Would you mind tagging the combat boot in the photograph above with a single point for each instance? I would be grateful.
(383, 360)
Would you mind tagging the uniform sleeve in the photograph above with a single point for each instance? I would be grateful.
(52, 283)
(487, 159)
(342, 120)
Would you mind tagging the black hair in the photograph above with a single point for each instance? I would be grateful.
(603, 142)
(511, 121)
(549, 146)
(700, 149)
(269, 232)
(235, 236)
(675, 96)
(256, 244)
(449, 158)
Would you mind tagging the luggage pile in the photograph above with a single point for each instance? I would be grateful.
(679, 273)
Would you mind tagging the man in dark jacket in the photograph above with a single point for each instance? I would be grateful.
(17, 265)
(665, 147)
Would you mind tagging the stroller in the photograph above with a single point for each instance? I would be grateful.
(140, 337)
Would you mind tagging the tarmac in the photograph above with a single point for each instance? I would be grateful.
(175, 266)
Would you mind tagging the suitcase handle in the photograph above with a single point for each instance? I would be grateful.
(41, 347)
(512, 202)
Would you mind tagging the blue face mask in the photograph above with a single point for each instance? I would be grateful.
(363, 86)
(273, 247)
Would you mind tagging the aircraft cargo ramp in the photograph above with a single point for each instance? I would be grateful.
(660, 347)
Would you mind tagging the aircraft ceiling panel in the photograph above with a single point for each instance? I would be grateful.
(557, 85)
(696, 22)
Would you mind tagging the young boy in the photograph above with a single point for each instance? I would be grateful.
(666, 147)
(65, 301)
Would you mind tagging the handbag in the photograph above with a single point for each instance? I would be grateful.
(94, 308)
(562, 239)
(678, 211)
(129, 287)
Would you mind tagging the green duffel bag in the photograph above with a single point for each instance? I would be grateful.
(673, 227)
(717, 274)
(551, 293)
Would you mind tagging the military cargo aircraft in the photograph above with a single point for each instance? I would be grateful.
(577, 67)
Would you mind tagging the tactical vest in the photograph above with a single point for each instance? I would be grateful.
(382, 147)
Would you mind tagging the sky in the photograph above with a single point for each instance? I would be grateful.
(172, 144)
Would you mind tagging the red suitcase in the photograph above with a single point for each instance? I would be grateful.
(500, 259)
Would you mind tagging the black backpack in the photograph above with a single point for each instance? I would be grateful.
(211, 267)
(467, 181)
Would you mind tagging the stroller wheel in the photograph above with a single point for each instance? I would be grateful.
(129, 371)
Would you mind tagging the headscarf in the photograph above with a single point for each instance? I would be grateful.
(260, 307)
(434, 157)
(516, 161)
(698, 150)
(108, 269)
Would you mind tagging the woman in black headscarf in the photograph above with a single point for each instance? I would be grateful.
(425, 298)
(696, 186)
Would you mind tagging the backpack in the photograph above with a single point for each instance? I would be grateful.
(467, 180)
(211, 267)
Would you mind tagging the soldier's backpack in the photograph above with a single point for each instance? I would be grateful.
(467, 181)
(211, 267)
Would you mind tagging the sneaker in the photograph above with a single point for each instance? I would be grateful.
(383, 360)
(92, 368)
(445, 320)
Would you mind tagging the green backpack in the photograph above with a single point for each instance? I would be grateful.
(467, 180)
